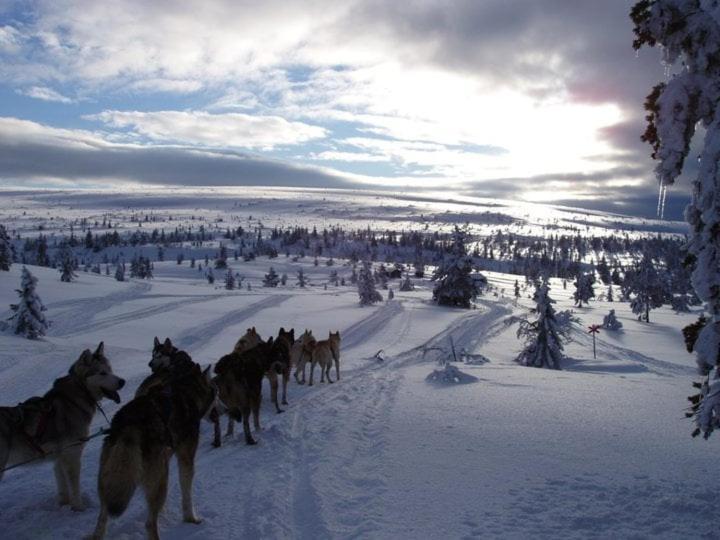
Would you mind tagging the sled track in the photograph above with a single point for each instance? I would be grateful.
(142, 313)
(196, 338)
(359, 332)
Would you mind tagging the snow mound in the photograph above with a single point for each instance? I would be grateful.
(475, 359)
(450, 375)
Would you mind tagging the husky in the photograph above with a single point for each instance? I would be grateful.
(144, 434)
(239, 381)
(248, 341)
(167, 359)
(283, 346)
(301, 353)
(56, 425)
(324, 353)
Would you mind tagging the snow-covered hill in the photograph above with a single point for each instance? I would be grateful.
(598, 449)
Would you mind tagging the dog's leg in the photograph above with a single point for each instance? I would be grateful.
(337, 368)
(71, 462)
(323, 369)
(217, 433)
(256, 401)
(272, 377)
(312, 370)
(4, 455)
(62, 483)
(329, 367)
(246, 425)
(230, 428)
(285, 380)
(186, 472)
(101, 525)
(155, 483)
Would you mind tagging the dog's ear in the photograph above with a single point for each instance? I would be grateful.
(168, 344)
(270, 341)
(207, 373)
(83, 361)
(156, 343)
(100, 351)
(292, 334)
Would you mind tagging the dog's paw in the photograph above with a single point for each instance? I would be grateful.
(192, 519)
(78, 507)
(63, 500)
(284, 402)
(250, 442)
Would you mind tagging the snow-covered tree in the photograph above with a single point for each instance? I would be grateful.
(390, 294)
(271, 279)
(645, 288)
(67, 264)
(221, 259)
(6, 256)
(543, 337)
(283, 279)
(301, 278)
(406, 284)
(516, 290)
(610, 321)
(454, 285)
(583, 289)
(28, 319)
(366, 286)
(610, 295)
(688, 31)
(120, 272)
(229, 280)
(210, 275)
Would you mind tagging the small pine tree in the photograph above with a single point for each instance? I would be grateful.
(271, 279)
(583, 289)
(120, 272)
(610, 295)
(6, 252)
(391, 294)
(543, 337)
(221, 259)
(28, 319)
(334, 278)
(366, 286)
(283, 279)
(180, 258)
(67, 265)
(229, 280)
(407, 285)
(354, 275)
(454, 283)
(210, 276)
(301, 279)
(610, 321)
(517, 291)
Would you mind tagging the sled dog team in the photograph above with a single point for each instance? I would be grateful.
(162, 420)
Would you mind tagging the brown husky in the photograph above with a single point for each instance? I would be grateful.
(143, 436)
(57, 424)
(301, 353)
(324, 353)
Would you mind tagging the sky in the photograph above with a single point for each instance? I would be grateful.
(533, 100)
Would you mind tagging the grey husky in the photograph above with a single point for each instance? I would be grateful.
(56, 425)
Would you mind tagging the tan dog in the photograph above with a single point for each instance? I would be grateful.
(324, 353)
(301, 354)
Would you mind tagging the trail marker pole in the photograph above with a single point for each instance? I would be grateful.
(594, 329)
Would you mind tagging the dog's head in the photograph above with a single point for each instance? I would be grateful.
(161, 355)
(250, 340)
(288, 336)
(198, 385)
(95, 372)
(307, 339)
(334, 337)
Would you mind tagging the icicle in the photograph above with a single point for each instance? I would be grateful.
(662, 195)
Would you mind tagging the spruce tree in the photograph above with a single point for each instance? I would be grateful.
(407, 285)
(301, 279)
(28, 319)
(645, 288)
(6, 251)
(210, 276)
(583, 289)
(366, 286)
(229, 280)
(543, 336)
(67, 264)
(454, 285)
(120, 272)
(271, 279)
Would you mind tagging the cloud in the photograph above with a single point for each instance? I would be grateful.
(32, 152)
(215, 130)
(46, 94)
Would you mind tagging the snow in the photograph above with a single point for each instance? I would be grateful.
(598, 449)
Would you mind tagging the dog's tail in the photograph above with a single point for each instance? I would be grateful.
(120, 469)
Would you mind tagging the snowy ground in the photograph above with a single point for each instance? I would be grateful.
(599, 449)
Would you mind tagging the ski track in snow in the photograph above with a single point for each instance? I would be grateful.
(199, 336)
